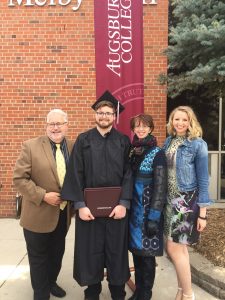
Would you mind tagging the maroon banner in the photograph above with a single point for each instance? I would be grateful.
(119, 55)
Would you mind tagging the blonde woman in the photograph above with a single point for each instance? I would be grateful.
(185, 212)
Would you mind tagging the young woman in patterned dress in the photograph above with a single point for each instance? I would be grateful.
(185, 212)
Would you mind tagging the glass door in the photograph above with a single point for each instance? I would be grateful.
(210, 122)
(222, 152)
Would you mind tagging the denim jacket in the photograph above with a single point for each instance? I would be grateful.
(192, 168)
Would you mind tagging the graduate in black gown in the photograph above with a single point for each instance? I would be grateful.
(100, 159)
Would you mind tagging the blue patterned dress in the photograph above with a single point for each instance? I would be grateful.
(148, 200)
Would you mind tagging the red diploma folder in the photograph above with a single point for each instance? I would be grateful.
(102, 200)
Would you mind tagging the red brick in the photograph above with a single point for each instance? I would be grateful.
(47, 60)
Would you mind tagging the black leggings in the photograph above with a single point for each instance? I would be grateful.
(144, 272)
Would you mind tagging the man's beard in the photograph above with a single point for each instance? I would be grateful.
(104, 126)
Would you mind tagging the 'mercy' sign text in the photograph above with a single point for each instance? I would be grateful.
(75, 3)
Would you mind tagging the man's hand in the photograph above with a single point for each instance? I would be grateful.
(118, 212)
(85, 214)
(52, 198)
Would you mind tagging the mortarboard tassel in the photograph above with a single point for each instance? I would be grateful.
(118, 112)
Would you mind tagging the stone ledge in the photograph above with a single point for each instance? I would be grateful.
(211, 278)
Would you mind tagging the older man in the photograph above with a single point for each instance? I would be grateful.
(38, 176)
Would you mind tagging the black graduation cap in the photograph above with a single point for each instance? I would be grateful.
(107, 96)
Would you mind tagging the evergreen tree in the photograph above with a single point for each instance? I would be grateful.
(196, 52)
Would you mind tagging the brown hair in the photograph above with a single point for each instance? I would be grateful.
(142, 118)
(105, 103)
(194, 130)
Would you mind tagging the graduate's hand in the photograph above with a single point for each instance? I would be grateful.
(85, 214)
(118, 212)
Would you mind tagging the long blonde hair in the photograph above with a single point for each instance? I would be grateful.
(194, 130)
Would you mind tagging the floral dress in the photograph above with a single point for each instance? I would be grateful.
(181, 211)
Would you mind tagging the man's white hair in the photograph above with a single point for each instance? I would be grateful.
(59, 112)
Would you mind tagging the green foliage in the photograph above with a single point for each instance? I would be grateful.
(196, 52)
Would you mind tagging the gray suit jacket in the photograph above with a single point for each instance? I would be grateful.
(34, 175)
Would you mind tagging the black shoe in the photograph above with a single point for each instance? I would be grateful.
(145, 294)
(92, 298)
(57, 291)
(135, 295)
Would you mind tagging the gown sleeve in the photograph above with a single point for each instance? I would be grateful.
(73, 185)
(127, 182)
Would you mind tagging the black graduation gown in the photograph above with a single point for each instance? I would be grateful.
(98, 161)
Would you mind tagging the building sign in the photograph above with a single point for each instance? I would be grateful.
(75, 3)
(119, 55)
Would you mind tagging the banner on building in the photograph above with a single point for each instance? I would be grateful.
(119, 55)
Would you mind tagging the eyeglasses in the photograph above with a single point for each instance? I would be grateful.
(58, 124)
(107, 114)
(142, 126)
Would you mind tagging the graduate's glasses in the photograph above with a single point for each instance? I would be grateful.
(58, 124)
(102, 114)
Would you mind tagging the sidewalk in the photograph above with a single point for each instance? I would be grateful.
(15, 279)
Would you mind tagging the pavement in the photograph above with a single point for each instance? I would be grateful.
(15, 278)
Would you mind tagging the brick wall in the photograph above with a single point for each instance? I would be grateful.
(47, 61)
